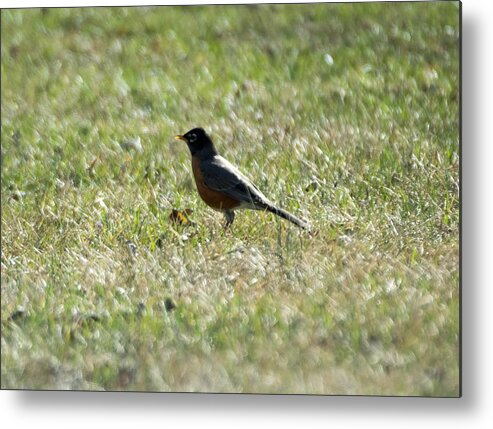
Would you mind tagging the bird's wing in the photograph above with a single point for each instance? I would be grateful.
(220, 175)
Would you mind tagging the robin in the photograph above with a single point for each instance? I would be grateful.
(222, 186)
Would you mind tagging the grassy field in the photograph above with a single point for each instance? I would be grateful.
(345, 115)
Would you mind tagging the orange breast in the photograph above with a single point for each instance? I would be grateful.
(216, 200)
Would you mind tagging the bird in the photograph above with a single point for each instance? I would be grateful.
(223, 186)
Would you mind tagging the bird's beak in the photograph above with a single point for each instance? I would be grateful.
(180, 137)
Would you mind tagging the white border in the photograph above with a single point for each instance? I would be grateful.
(88, 410)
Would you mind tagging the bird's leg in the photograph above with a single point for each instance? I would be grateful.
(230, 217)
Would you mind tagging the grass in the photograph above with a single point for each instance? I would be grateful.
(345, 114)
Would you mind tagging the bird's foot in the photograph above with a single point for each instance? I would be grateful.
(230, 217)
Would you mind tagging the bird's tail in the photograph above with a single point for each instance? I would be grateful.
(285, 215)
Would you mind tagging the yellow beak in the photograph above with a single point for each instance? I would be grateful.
(180, 137)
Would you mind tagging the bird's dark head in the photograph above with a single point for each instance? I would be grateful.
(198, 142)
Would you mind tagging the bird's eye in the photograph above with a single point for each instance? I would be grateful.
(192, 138)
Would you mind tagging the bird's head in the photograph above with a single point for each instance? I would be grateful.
(197, 141)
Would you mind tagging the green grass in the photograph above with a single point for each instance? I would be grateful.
(365, 148)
